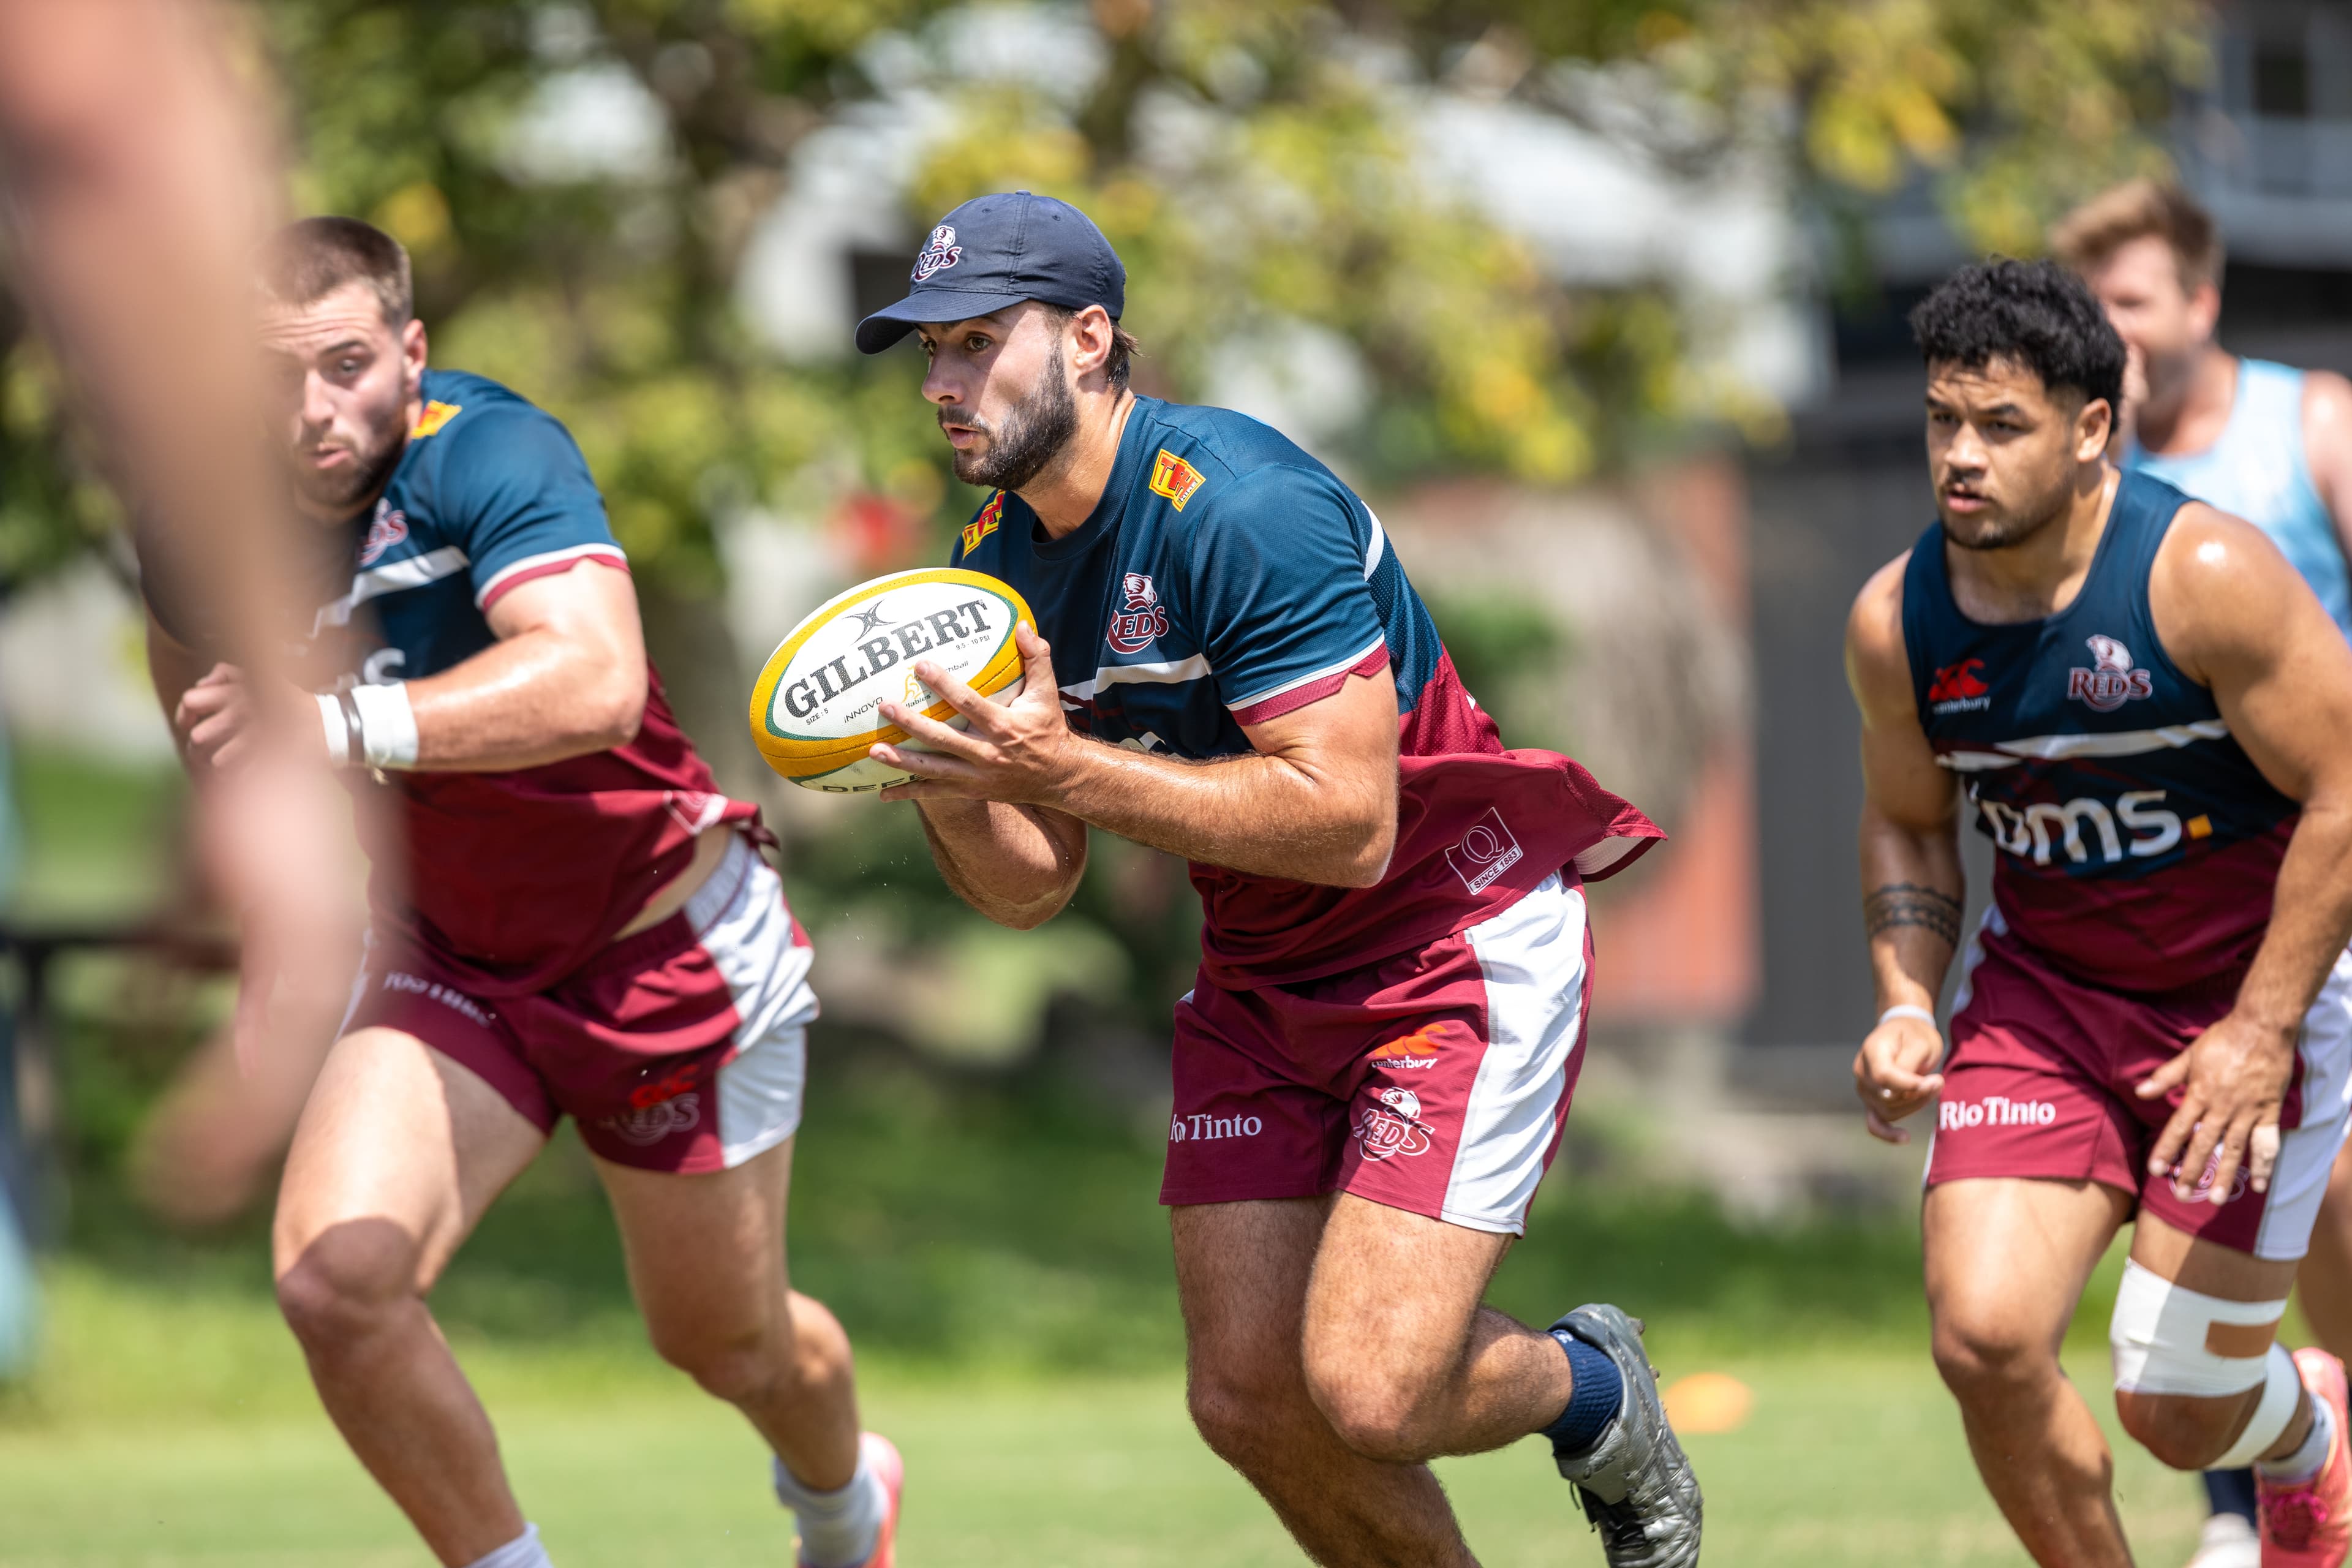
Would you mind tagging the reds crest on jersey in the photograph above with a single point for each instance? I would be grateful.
(1143, 621)
(940, 253)
(389, 529)
(2111, 682)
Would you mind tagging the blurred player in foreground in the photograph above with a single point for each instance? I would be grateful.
(2266, 443)
(2153, 718)
(1372, 1072)
(135, 183)
(580, 923)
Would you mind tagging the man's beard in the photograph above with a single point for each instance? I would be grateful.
(371, 468)
(1029, 436)
(2014, 529)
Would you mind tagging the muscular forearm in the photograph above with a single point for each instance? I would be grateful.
(2311, 919)
(1912, 889)
(1009, 862)
(1257, 813)
(533, 698)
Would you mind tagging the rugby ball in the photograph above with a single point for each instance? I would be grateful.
(816, 709)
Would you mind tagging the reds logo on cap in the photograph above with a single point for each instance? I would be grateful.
(940, 253)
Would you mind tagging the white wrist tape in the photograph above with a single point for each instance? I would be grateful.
(387, 724)
(2160, 1333)
(338, 734)
(1905, 1010)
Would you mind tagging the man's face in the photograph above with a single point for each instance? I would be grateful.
(2163, 324)
(1002, 386)
(345, 380)
(2004, 453)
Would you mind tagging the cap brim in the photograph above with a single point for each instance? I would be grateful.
(889, 324)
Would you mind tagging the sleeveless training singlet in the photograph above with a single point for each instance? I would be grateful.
(2138, 845)
(2257, 470)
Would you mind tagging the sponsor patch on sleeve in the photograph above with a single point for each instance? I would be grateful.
(436, 414)
(981, 527)
(1174, 477)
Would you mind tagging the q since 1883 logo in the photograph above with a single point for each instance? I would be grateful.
(1143, 621)
(2111, 682)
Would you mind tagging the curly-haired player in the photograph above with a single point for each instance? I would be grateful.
(2151, 718)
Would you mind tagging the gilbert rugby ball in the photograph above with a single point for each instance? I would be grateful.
(817, 706)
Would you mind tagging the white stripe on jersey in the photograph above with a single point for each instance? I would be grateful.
(546, 558)
(1167, 672)
(390, 578)
(1342, 667)
(2059, 748)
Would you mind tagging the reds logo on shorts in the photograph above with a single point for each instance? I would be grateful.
(649, 1124)
(1393, 1127)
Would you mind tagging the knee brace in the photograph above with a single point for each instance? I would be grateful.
(2164, 1343)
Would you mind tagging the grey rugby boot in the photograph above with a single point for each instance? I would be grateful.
(1634, 1484)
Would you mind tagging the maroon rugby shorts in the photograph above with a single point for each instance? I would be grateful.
(681, 1048)
(2040, 1082)
(1435, 1081)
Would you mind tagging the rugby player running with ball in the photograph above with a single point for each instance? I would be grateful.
(2151, 716)
(572, 919)
(2262, 441)
(1373, 1070)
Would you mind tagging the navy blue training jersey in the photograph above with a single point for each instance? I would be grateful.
(1227, 578)
(512, 879)
(2138, 845)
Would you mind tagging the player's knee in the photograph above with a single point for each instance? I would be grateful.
(2186, 1434)
(1377, 1419)
(2199, 1382)
(342, 1283)
(1245, 1420)
(739, 1368)
(1983, 1353)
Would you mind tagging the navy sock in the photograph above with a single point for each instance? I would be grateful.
(2230, 1491)
(1596, 1391)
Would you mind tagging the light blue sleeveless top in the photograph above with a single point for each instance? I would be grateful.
(2257, 471)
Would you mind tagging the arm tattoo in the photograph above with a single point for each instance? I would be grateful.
(1910, 904)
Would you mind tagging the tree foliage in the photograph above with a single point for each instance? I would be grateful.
(1254, 160)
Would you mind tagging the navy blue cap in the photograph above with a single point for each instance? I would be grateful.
(998, 250)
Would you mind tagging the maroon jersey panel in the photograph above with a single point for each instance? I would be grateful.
(514, 880)
(1477, 828)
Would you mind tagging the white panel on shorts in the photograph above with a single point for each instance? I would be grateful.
(2307, 1154)
(739, 916)
(1532, 954)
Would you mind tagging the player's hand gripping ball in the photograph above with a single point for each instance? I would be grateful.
(816, 709)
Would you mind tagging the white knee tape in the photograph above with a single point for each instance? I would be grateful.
(2281, 1392)
(2159, 1334)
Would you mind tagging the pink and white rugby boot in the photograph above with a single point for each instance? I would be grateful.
(2308, 1523)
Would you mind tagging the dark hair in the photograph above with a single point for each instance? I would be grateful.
(1123, 346)
(2035, 314)
(312, 259)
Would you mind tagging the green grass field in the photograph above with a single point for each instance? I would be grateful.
(1848, 1459)
(993, 1244)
